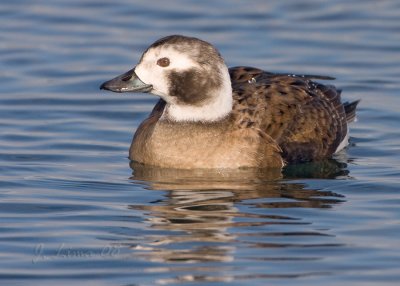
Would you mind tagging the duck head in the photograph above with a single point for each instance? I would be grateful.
(187, 73)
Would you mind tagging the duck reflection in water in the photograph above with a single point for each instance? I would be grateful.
(204, 211)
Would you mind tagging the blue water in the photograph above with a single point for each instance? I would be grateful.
(73, 210)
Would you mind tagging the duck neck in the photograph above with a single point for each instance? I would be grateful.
(216, 108)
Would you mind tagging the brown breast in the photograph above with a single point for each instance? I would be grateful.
(202, 145)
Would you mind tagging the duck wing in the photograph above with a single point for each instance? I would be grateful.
(305, 118)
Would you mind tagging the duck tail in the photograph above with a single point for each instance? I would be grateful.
(350, 110)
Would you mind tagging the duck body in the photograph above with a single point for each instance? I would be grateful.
(212, 117)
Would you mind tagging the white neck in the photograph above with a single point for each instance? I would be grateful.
(214, 110)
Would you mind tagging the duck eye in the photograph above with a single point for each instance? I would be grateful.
(163, 62)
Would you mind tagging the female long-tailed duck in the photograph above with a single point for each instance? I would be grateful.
(209, 116)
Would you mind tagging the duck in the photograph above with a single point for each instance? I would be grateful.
(209, 116)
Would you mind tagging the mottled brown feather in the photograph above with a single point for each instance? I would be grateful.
(305, 118)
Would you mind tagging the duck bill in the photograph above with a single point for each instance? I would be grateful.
(127, 82)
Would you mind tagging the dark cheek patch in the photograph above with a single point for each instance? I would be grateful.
(192, 87)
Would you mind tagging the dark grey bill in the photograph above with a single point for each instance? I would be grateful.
(127, 82)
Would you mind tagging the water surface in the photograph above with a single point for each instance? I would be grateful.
(74, 210)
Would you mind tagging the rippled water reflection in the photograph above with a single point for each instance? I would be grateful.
(73, 210)
(231, 217)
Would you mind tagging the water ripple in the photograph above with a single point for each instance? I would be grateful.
(73, 209)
